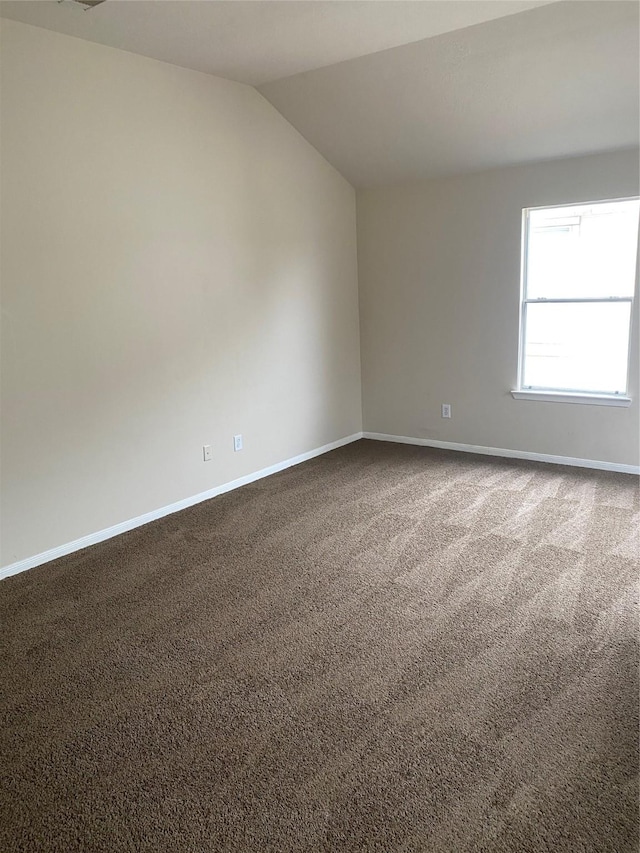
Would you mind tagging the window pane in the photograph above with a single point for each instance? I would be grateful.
(582, 251)
(577, 346)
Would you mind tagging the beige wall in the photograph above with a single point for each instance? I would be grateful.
(439, 268)
(178, 265)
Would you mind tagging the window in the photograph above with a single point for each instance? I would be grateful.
(578, 280)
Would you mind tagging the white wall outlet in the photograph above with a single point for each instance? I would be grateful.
(206, 452)
(237, 443)
(446, 410)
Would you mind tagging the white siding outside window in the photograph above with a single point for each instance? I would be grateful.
(578, 282)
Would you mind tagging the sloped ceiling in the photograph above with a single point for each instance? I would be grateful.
(552, 82)
(254, 41)
(401, 90)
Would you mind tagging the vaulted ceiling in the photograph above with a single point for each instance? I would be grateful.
(394, 91)
(551, 82)
(256, 41)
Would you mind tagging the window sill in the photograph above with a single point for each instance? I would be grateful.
(568, 397)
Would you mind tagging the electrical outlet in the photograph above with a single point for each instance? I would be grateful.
(446, 410)
(237, 443)
(206, 452)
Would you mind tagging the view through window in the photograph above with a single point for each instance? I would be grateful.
(578, 284)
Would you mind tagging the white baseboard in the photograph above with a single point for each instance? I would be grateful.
(130, 524)
(124, 526)
(510, 454)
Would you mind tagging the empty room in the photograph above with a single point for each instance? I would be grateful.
(320, 426)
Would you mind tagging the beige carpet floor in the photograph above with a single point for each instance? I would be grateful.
(387, 648)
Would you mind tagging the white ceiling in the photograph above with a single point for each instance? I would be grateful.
(398, 90)
(254, 41)
(552, 82)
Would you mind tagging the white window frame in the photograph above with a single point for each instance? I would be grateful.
(528, 392)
